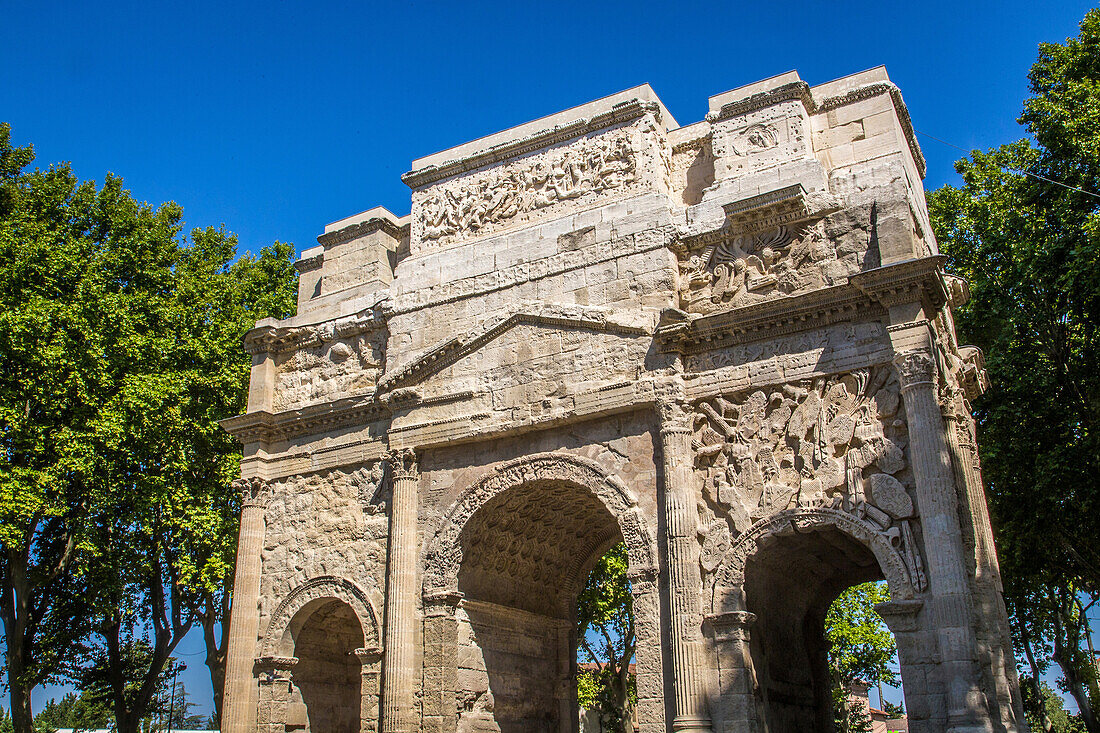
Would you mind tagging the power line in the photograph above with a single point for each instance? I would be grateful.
(1015, 170)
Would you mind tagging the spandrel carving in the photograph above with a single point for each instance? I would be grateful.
(488, 201)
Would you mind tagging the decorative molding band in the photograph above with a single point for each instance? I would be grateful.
(524, 272)
(622, 112)
(267, 427)
(362, 229)
(866, 295)
(769, 319)
(794, 91)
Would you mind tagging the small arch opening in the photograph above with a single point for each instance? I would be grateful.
(325, 695)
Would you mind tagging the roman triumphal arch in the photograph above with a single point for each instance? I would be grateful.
(728, 345)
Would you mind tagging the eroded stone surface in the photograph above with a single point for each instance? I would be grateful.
(728, 345)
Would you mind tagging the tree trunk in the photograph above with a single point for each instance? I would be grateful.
(216, 613)
(21, 718)
(1041, 708)
(1066, 650)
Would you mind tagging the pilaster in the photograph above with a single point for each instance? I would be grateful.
(736, 677)
(440, 661)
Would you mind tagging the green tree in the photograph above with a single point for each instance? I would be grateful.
(861, 649)
(605, 634)
(80, 712)
(1024, 230)
(120, 345)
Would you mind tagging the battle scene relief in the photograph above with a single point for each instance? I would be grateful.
(837, 442)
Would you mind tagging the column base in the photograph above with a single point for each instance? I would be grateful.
(698, 724)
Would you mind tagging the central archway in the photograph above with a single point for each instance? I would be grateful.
(516, 548)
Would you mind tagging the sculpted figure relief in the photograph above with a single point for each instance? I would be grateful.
(477, 203)
(836, 442)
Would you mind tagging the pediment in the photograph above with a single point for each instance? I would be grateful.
(563, 317)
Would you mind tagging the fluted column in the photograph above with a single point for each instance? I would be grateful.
(685, 584)
(949, 605)
(398, 675)
(241, 695)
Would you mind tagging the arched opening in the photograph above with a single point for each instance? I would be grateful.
(789, 584)
(325, 691)
(525, 555)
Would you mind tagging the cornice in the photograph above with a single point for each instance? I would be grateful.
(794, 91)
(622, 112)
(362, 229)
(272, 339)
(867, 294)
(917, 280)
(267, 427)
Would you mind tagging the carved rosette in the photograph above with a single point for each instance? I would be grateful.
(254, 491)
(915, 368)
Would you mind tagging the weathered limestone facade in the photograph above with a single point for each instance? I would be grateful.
(728, 345)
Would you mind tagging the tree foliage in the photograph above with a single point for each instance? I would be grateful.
(1030, 249)
(861, 649)
(120, 346)
(605, 634)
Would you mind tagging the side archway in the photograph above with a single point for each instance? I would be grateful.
(444, 556)
(287, 619)
(770, 598)
(320, 663)
(730, 577)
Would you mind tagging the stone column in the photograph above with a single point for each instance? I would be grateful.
(398, 675)
(994, 636)
(440, 662)
(948, 609)
(241, 690)
(736, 678)
(685, 583)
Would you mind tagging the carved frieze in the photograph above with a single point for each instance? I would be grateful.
(326, 369)
(838, 442)
(493, 199)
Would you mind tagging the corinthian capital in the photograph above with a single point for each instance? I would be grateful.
(403, 463)
(254, 491)
(915, 367)
(673, 410)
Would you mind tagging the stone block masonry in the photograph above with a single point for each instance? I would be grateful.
(727, 345)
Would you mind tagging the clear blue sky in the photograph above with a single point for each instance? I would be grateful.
(276, 118)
